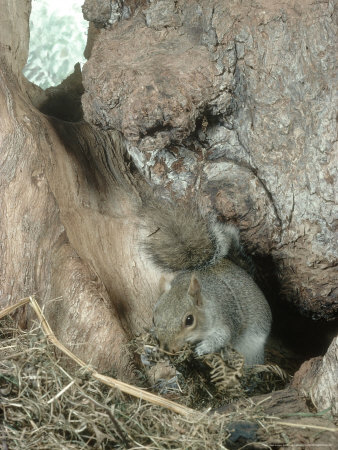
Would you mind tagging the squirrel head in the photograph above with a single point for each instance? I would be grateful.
(178, 314)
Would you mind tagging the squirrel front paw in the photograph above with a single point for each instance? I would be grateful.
(203, 348)
(213, 343)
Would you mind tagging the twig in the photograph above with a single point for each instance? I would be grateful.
(61, 392)
(12, 308)
(264, 400)
(302, 425)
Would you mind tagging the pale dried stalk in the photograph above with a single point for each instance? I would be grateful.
(12, 308)
(304, 426)
(123, 387)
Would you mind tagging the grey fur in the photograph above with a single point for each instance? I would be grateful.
(182, 239)
(212, 286)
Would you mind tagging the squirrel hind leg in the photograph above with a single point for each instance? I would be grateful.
(251, 346)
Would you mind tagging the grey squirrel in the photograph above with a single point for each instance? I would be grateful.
(212, 301)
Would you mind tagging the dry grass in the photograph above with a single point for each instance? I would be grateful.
(45, 404)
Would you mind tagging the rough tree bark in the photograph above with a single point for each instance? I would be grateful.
(235, 100)
(66, 234)
(317, 379)
(67, 230)
(231, 100)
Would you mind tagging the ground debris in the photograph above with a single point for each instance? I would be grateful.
(210, 380)
(47, 404)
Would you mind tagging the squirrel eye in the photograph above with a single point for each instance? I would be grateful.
(189, 320)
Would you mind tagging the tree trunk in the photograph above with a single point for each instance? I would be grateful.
(234, 101)
(317, 379)
(228, 101)
(68, 231)
(67, 235)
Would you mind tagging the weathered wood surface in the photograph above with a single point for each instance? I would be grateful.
(234, 100)
(68, 232)
(317, 379)
(228, 99)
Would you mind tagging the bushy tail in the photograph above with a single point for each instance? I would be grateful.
(181, 238)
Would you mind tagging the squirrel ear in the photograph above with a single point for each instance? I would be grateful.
(165, 284)
(195, 290)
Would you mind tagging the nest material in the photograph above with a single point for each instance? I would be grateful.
(209, 380)
(44, 406)
(47, 404)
